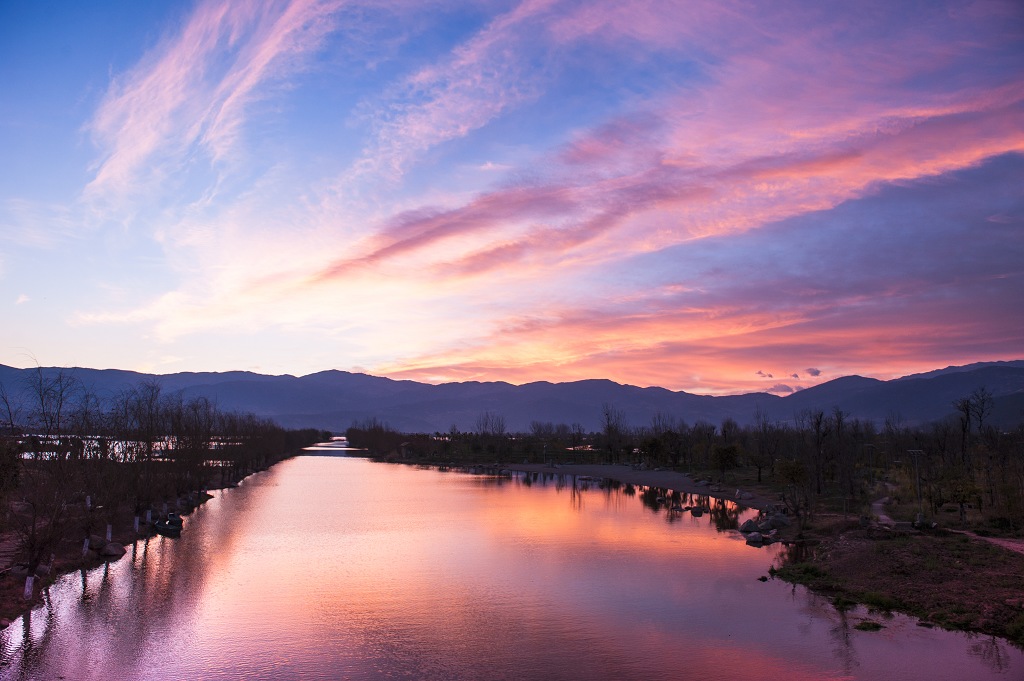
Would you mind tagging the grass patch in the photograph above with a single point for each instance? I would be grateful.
(879, 601)
(954, 581)
(842, 603)
(801, 573)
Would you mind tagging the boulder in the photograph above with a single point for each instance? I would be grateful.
(748, 526)
(755, 538)
(96, 542)
(779, 521)
(112, 550)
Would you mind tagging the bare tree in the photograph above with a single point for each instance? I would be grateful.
(613, 425)
(963, 406)
(12, 405)
(767, 440)
(490, 424)
(981, 403)
(52, 398)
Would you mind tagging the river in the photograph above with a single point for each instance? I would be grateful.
(328, 567)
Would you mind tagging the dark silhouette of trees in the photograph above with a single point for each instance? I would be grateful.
(767, 442)
(72, 461)
(614, 429)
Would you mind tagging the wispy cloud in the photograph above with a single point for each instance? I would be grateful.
(193, 91)
(478, 81)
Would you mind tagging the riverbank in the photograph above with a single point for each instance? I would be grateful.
(662, 479)
(945, 579)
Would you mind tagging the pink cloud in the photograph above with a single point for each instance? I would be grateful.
(662, 205)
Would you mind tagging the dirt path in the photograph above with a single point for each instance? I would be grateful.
(1017, 545)
(878, 510)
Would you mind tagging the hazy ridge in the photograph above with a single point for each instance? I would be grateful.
(334, 399)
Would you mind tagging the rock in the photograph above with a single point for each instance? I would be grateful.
(755, 538)
(779, 521)
(112, 550)
(748, 526)
(96, 542)
(747, 495)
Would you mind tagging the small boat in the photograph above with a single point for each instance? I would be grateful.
(167, 528)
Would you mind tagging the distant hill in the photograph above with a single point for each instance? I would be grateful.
(1017, 363)
(333, 400)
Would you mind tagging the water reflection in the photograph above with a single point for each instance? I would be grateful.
(992, 652)
(340, 568)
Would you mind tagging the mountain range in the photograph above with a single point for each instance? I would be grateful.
(333, 400)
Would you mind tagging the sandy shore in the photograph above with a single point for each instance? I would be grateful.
(672, 480)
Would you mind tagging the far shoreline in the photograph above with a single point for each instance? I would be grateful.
(662, 479)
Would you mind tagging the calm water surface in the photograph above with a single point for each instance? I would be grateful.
(339, 568)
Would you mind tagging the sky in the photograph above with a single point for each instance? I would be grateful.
(711, 196)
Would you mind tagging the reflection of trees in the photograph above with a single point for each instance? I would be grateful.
(991, 652)
(576, 498)
(843, 650)
(144, 593)
(725, 515)
(652, 498)
(34, 647)
(792, 554)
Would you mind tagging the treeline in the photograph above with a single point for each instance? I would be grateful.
(948, 467)
(72, 462)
